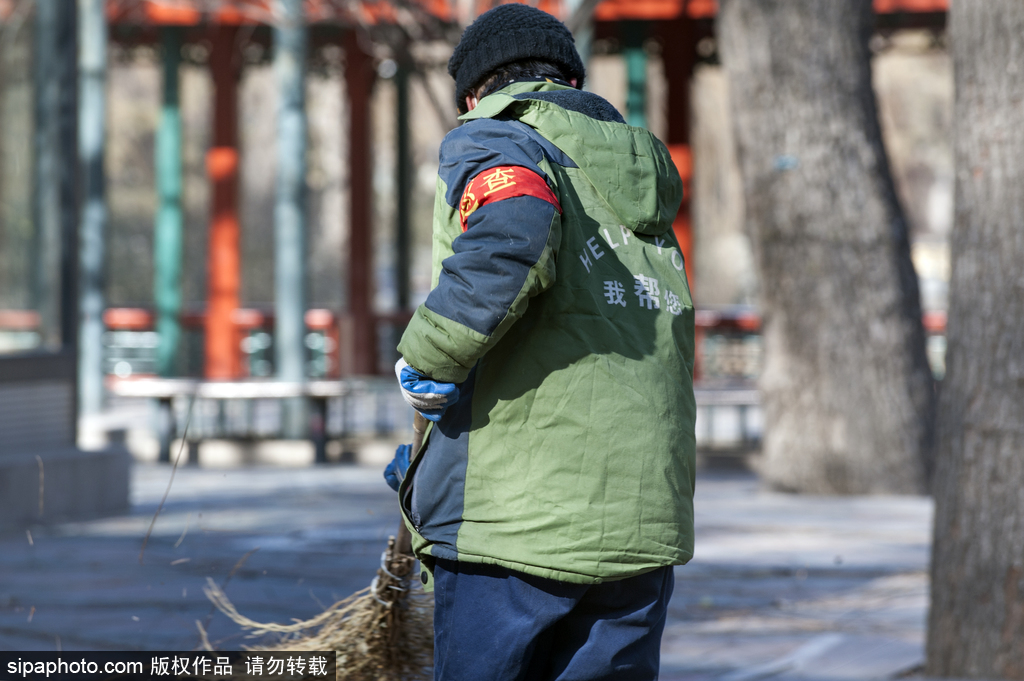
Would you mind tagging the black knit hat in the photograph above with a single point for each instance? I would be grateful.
(509, 33)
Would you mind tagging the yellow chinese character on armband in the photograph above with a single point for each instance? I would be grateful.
(499, 179)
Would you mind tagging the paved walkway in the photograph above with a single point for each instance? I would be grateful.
(800, 586)
(782, 586)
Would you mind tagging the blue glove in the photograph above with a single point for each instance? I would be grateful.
(425, 395)
(396, 470)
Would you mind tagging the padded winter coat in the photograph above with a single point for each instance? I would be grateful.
(560, 305)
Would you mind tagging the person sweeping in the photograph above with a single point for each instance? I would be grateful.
(553, 493)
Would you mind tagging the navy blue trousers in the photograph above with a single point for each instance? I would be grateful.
(496, 624)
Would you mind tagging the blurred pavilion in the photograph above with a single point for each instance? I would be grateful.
(54, 367)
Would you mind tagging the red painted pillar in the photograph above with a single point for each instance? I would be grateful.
(361, 332)
(679, 52)
(683, 225)
(224, 262)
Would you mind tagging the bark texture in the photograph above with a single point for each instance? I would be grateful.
(847, 391)
(976, 625)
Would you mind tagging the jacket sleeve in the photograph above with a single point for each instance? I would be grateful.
(509, 216)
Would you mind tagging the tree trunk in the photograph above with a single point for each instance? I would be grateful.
(847, 391)
(976, 626)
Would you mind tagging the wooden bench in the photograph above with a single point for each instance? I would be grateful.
(165, 390)
(318, 392)
(743, 399)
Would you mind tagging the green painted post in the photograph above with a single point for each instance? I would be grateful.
(53, 37)
(168, 240)
(585, 46)
(290, 207)
(583, 32)
(55, 194)
(633, 34)
(92, 77)
(403, 184)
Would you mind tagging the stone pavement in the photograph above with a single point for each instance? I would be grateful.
(781, 586)
(799, 587)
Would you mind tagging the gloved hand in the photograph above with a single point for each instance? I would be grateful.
(396, 470)
(424, 394)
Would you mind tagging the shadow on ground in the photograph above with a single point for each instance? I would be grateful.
(781, 586)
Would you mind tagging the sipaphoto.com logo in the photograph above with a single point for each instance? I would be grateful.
(221, 665)
(60, 666)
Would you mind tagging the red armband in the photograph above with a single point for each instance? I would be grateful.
(503, 182)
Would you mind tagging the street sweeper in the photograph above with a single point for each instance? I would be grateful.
(553, 493)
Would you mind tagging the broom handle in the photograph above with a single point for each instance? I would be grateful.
(403, 540)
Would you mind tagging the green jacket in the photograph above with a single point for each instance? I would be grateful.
(561, 307)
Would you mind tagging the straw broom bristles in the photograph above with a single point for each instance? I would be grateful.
(382, 633)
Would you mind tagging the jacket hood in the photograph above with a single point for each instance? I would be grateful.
(641, 184)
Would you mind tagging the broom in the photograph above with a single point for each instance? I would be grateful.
(381, 633)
